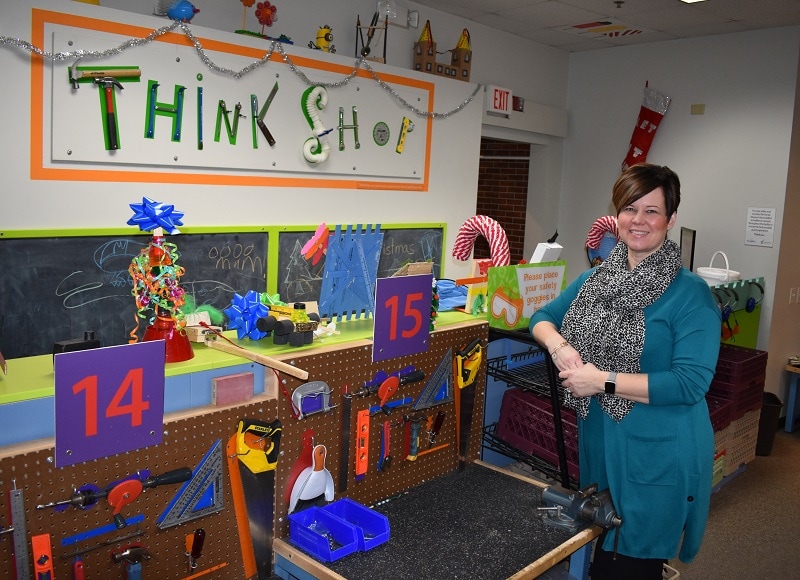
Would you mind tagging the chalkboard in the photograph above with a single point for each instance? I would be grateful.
(56, 288)
(299, 280)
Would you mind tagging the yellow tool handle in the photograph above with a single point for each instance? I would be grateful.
(257, 444)
(259, 358)
(401, 141)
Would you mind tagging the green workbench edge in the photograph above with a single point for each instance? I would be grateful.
(33, 378)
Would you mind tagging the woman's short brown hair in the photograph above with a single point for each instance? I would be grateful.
(640, 179)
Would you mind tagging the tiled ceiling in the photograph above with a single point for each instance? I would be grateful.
(576, 25)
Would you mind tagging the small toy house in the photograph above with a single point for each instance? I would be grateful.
(460, 56)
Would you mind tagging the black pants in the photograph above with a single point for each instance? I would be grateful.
(605, 567)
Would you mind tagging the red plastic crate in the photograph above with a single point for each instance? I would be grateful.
(728, 390)
(744, 399)
(526, 423)
(720, 411)
(737, 364)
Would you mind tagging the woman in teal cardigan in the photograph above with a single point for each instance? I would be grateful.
(636, 341)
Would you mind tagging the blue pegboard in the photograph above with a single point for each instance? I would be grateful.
(351, 272)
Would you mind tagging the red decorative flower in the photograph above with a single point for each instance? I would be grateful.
(266, 13)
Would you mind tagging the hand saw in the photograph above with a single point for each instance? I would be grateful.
(466, 364)
(257, 449)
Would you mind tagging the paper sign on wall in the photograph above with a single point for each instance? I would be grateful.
(516, 292)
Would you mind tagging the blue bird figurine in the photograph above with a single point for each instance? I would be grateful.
(182, 10)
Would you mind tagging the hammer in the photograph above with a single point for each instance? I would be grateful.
(108, 84)
(85, 74)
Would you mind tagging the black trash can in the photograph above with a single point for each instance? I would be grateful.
(768, 423)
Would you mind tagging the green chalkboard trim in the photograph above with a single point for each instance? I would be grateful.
(89, 232)
(275, 231)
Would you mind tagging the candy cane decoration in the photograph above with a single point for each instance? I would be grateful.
(599, 228)
(314, 100)
(491, 230)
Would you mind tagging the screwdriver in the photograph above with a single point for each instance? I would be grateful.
(79, 499)
(196, 548)
(87, 497)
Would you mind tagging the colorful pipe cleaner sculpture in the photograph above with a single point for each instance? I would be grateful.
(155, 271)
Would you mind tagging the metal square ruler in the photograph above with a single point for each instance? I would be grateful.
(201, 495)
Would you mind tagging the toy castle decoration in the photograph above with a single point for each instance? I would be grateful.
(460, 56)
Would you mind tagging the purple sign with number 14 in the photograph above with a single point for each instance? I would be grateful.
(108, 401)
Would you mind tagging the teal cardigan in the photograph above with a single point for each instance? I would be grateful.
(657, 462)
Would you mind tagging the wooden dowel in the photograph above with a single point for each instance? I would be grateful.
(259, 358)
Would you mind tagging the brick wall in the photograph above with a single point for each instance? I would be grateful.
(503, 193)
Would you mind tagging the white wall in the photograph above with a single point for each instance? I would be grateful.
(535, 71)
(733, 157)
(785, 330)
(498, 58)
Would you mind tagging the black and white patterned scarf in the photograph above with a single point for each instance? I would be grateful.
(605, 322)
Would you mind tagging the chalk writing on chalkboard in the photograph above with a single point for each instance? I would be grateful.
(299, 280)
(58, 288)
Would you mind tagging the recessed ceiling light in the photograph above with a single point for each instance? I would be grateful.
(692, 1)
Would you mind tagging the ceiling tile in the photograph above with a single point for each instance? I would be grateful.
(540, 20)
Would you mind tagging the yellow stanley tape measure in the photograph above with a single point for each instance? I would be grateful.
(257, 444)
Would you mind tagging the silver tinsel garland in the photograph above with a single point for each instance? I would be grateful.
(274, 45)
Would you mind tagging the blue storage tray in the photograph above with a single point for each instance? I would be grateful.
(322, 534)
(372, 528)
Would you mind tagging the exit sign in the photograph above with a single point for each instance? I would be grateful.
(498, 100)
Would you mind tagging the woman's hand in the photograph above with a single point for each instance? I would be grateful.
(566, 357)
(563, 355)
(584, 380)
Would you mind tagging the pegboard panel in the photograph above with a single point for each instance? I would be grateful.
(353, 368)
(185, 443)
(189, 438)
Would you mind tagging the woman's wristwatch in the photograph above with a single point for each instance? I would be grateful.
(611, 384)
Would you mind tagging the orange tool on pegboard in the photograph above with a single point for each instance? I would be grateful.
(42, 557)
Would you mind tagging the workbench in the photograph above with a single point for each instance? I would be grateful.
(196, 435)
(480, 522)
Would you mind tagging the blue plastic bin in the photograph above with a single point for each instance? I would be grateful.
(322, 534)
(372, 528)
